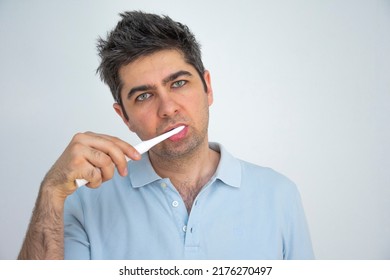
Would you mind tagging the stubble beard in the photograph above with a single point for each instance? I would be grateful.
(187, 148)
(184, 149)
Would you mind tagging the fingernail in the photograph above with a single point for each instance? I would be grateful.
(137, 155)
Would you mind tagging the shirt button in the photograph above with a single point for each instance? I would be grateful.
(185, 228)
(175, 203)
(164, 185)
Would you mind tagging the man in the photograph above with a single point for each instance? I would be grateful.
(186, 198)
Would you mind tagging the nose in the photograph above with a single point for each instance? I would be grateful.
(168, 107)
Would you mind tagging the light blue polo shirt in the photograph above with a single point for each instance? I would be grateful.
(243, 212)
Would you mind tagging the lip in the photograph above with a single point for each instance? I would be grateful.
(180, 135)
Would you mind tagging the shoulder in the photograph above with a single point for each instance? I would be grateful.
(266, 179)
(252, 177)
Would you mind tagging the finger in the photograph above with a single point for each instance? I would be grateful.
(94, 177)
(96, 168)
(86, 163)
(103, 148)
(115, 148)
(125, 147)
(103, 162)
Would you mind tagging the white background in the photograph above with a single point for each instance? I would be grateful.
(300, 86)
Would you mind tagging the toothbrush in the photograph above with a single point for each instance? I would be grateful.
(143, 147)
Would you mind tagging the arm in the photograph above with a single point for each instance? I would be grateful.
(89, 156)
(44, 238)
(298, 240)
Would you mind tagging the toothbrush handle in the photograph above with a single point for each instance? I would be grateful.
(81, 182)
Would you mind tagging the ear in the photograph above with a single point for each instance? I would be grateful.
(119, 110)
(209, 92)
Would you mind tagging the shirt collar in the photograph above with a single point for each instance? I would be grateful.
(229, 168)
(141, 172)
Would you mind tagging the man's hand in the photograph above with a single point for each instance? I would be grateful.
(92, 157)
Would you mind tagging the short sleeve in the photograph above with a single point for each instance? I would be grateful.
(76, 243)
(298, 244)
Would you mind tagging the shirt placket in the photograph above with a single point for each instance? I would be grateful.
(187, 225)
(177, 206)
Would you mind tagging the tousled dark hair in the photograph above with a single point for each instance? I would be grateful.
(139, 34)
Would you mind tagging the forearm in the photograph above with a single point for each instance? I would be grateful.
(45, 235)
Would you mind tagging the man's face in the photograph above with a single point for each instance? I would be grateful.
(160, 92)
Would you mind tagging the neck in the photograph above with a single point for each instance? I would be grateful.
(188, 173)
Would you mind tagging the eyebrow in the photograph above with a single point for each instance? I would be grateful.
(166, 80)
(176, 75)
(140, 88)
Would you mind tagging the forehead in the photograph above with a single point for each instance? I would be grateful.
(153, 68)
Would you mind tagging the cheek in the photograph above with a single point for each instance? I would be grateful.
(203, 110)
(142, 124)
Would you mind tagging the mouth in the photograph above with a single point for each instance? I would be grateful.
(173, 127)
(180, 135)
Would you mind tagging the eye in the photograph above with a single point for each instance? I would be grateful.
(179, 84)
(143, 96)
